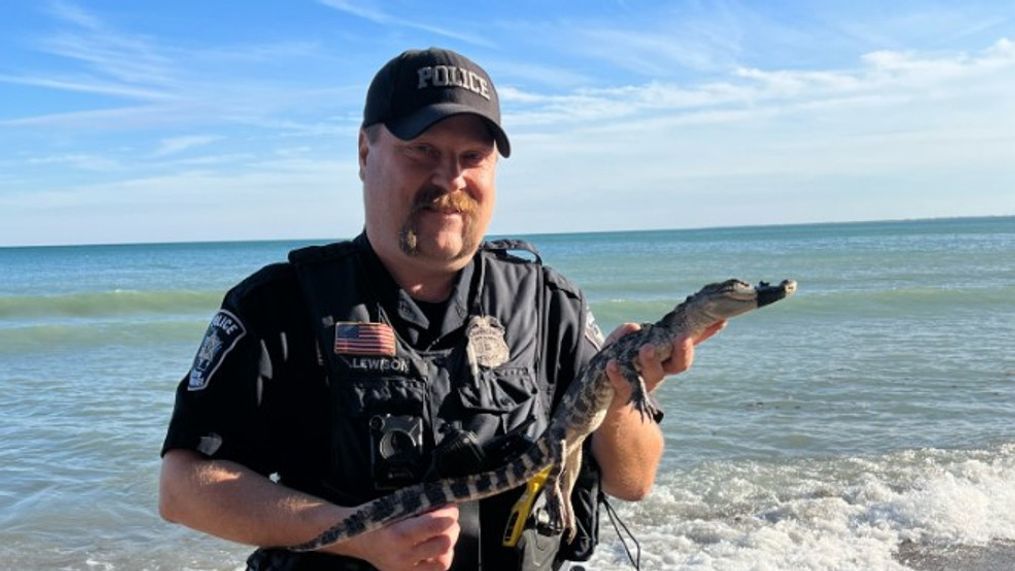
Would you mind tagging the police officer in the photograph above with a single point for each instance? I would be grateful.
(416, 351)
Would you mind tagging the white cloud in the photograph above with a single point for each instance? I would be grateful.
(174, 145)
(74, 14)
(901, 134)
(81, 161)
(131, 59)
(88, 85)
(654, 54)
(882, 76)
(103, 119)
(379, 16)
(166, 83)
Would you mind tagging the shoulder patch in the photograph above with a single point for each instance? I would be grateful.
(224, 331)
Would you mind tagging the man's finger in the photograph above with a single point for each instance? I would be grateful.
(651, 366)
(621, 387)
(620, 331)
(439, 549)
(681, 358)
(422, 527)
(710, 331)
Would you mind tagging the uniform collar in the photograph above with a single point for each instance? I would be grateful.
(397, 302)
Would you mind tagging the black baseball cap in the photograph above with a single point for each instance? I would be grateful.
(420, 87)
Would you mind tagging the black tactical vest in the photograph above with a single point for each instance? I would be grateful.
(394, 405)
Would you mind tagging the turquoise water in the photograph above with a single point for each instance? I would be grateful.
(876, 409)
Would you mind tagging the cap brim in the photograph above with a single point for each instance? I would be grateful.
(410, 127)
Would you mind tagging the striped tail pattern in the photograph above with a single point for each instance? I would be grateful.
(427, 496)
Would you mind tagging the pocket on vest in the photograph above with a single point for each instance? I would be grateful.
(508, 396)
(395, 396)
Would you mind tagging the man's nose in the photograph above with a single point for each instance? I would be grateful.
(449, 175)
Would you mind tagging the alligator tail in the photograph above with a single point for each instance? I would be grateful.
(427, 496)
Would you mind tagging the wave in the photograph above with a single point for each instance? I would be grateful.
(832, 513)
(108, 303)
(148, 336)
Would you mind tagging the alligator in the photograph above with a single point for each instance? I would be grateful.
(580, 412)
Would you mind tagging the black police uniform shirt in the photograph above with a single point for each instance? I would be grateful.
(257, 393)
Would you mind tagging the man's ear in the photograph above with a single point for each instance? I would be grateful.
(364, 149)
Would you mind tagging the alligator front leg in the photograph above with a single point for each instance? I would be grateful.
(639, 392)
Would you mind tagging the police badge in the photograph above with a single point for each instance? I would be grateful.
(486, 346)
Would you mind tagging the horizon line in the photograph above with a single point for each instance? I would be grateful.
(519, 235)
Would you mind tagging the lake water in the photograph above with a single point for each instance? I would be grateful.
(866, 423)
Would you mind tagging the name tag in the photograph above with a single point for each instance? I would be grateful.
(378, 364)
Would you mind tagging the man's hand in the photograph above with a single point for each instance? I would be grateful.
(654, 369)
(422, 543)
(627, 448)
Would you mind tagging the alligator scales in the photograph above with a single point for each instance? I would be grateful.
(580, 412)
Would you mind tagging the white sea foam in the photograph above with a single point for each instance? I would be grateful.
(812, 514)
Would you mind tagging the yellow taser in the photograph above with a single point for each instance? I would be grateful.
(523, 507)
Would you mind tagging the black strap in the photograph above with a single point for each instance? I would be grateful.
(467, 552)
(615, 519)
(505, 246)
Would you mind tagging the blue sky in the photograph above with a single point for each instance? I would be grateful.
(174, 121)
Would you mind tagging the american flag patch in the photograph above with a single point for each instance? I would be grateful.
(362, 338)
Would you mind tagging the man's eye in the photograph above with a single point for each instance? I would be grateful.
(473, 158)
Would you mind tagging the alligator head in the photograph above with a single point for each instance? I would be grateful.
(731, 298)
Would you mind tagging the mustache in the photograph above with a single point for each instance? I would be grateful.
(436, 198)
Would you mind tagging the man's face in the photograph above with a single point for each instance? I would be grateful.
(429, 200)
